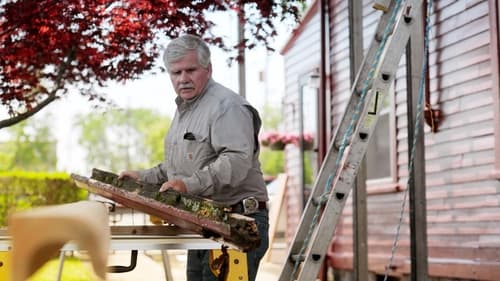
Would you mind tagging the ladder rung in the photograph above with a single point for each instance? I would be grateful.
(408, 14)
(301, 258)
(295, 257)
(316, 201)
(386, 76)
(381, 5)
(339, 195)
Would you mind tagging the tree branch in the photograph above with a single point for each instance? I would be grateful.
(50, 98)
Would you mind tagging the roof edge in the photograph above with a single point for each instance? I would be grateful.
(300, 28)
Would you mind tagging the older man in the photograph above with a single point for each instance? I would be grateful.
(211, 148)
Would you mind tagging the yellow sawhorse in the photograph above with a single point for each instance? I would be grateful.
(4, 265)
(229, 263)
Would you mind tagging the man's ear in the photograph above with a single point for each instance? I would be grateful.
(209, 68)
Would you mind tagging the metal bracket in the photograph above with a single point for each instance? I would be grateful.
(121, 268)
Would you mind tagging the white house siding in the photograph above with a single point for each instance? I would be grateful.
(339, 59)
(300, 59)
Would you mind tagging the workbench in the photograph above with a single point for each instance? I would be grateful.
(134, 239)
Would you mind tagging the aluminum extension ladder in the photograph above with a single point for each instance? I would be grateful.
(346, 150)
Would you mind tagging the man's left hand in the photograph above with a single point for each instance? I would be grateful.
(177, 185)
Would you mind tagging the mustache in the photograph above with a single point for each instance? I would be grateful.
(185, 86)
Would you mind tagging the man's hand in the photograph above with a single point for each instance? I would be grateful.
(175, 185)
(129, 174)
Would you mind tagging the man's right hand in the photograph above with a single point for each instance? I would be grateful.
(129, 174)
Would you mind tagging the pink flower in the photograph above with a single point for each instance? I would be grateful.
(273, 137)
(308, 137)
(268, 138)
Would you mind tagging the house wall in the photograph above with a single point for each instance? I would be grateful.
(462, 182)
(301, 57)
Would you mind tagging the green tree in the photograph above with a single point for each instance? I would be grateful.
(30, 147)
(123, 139)
(271, 117)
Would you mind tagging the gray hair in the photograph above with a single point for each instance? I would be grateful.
(181, 45)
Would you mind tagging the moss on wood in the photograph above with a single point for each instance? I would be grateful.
(214, 218)
(200, 206)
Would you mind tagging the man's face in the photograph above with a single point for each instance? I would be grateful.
(188, 76)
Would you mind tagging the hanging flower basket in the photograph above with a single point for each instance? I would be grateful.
(278, 141)
(307, 138)
(308, 145)
(277, 145)
(273, 140)
(308, 142)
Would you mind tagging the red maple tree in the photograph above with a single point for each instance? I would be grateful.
(48, 46)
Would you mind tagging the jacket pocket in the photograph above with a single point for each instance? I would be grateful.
(197, 153)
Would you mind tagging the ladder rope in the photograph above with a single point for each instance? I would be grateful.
(348, 134)
(416, 134)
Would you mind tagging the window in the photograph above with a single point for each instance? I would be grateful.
(309, 126)
(381, 148)
(378, 154)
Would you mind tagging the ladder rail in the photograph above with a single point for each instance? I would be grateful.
(329, 164)
(355, 151)
(343, 183)
(361, 78)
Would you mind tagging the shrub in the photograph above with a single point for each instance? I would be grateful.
(21, 190)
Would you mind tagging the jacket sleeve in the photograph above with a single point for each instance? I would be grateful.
(155, 175)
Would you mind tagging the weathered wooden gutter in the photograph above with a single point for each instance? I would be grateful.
(203, 216)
